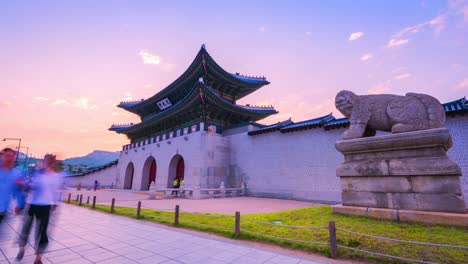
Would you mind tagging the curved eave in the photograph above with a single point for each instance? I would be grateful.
(261, 113)
(126, 105)
(117, 129)
(240, 80)
(193, 98)
(252, 83)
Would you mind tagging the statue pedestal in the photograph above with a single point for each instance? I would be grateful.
(152, 191)
(407, 171)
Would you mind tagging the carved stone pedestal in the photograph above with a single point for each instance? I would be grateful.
(408, 171)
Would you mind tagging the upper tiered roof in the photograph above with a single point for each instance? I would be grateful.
(230, 86)
(200, 104)
(204, 92)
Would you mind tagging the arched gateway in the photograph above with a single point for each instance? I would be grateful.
(149, 173)
(176, 170)
(128, 181)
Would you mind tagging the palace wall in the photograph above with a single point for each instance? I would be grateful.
(298, 165)
(301, 165)
(458, 126)
(106, 177)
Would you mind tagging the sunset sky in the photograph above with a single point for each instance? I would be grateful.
(65, 65)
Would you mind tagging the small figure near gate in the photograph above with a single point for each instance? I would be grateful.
(95, 185)
(175, 185)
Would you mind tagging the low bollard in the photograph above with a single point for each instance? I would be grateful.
(237, 227)
(138, 210)
(81, 200)
(87, 200)
(94, 202)
(112, 206)
(77, 197)
(69, 197)
(332, 233)
(176, 215)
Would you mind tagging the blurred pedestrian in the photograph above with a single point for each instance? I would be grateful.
(11, 183)
(44, 189)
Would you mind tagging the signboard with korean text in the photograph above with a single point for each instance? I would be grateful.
(164, 103)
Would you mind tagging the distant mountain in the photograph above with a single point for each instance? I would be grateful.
(93, 159)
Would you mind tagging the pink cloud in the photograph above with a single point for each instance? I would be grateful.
(355, 36)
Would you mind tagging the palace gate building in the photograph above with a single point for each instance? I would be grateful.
(194, 130)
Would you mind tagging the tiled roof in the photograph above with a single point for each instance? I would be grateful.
(271, 128)
(320, 121)
(459, 105)
(94, 169)
(340, 122)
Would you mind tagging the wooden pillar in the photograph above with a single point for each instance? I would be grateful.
(237, 226)
(69, 197)
(332, 233)
(176, 215)
(94, 202)
(81, 200)
(138, 210)
(112, 209)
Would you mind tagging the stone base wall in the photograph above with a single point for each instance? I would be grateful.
(206, 157)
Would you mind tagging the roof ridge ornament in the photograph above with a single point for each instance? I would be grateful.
(204, 64)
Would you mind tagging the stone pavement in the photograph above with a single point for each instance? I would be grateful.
(245, 205)
(80, 235)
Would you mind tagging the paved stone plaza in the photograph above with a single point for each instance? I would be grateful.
(246, 205)
(80, 235)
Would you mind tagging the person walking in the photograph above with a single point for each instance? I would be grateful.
(44, 189)
(95, 185)
(11, 184)
(175, 185)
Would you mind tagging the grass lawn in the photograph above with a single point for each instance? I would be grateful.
(320, 216)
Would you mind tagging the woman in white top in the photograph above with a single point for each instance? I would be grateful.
(44, 188)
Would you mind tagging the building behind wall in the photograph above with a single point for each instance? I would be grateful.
(193, 130)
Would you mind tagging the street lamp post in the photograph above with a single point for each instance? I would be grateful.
(19, 146)
(25, 158)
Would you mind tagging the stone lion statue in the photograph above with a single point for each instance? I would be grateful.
(387, 112)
